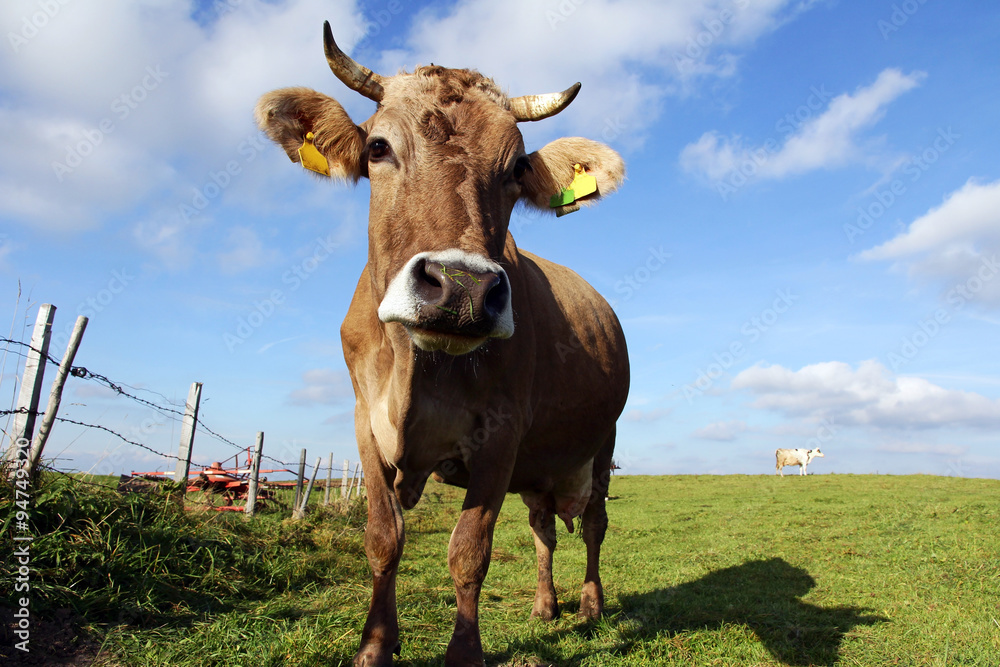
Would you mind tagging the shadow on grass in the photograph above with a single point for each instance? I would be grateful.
(761, 595)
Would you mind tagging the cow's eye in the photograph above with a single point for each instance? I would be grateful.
(378, 149)
(522, 165)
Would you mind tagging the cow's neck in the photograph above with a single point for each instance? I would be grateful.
(426, 412)
(430, 406)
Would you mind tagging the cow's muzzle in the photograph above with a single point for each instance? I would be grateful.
(450, 300)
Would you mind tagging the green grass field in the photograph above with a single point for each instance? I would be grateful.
(698, 570)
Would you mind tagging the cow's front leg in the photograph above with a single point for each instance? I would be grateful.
(384, 538)
(469, 558)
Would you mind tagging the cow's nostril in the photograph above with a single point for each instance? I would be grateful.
(452, 293)
(497, 298)
(427, 281)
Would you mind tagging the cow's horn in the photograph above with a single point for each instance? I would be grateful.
(355, 76)
(537, 107)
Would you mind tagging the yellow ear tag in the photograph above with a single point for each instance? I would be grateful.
(583, 184)
(311, 158)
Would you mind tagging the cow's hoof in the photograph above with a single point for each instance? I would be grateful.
(454, 657)
(545, 608)
(465, 651)
(591, 601)
(375, 655)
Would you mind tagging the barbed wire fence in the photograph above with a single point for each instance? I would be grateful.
(23, 442)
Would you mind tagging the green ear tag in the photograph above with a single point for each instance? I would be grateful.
(567, 196)
(311, 158)
(583, 184)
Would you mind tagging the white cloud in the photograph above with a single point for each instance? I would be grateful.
(957, 242)
(830, 139)
(923, 448)
(714, 156)
(323, 386)
(165, 238)
(68, 174)
(869, 395)
(246, 251)
(627, 55)
(174, 93)
(139, 102)
(267, 346)
(724, 431)
(160, 100)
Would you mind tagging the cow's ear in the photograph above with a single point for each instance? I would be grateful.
(288, 114)
(552, 171)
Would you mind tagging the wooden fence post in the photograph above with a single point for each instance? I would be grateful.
(345, 488)
(254, 474)
(55, 396)
(359, 472)
(343, 483)
(329, 479)
(347, 498)
(298, 481)
(31, 385)
(300, 511)
(187, 437)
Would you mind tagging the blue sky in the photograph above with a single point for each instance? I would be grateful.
(805, 251)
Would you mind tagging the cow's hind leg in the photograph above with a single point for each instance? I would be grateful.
(595, 525)
(543, 526)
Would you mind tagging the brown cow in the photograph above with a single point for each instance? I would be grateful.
(486, 366)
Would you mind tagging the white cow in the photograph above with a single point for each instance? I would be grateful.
(795, 457)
